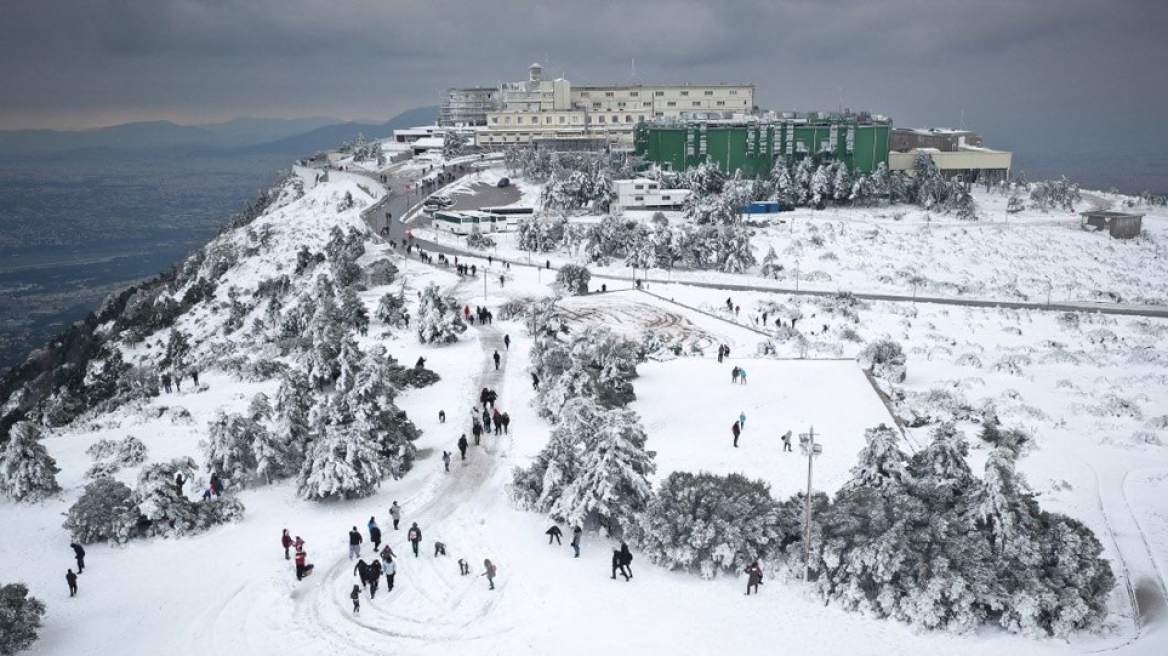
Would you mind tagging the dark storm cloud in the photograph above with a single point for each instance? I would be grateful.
(1012, 66)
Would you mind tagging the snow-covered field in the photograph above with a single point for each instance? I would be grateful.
(1091, 389)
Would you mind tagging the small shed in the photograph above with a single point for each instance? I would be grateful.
(1120, 225)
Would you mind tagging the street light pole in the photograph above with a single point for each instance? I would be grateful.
(808, 446)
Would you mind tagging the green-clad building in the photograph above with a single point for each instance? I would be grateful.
(753, 146)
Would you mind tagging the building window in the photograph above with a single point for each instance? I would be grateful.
(734, 92)
(635, 94)
(507, 120)
(583, 94)
(671, 103)
(601, 118)
(495, 119)
(639, 187)
(607, 94)
(665, 198)
(628, 119)
(639, 199)
(685, 93)
(697, 103)
(646, 104)
(549, 119)
(595, 105)
(561, 119)
(659, 93)
(620, 103)
(641, 118)
(709, 93)
(721, 103)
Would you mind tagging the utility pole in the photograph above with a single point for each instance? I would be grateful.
(809, 448)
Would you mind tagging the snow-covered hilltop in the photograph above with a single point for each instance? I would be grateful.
(992, 479)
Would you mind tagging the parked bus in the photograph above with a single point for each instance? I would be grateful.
(466, 222)
(518, 212)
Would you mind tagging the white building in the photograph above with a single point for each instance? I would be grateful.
(646, 194)
(539, 109)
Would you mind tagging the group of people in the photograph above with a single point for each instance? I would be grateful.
(738, 427)
(485, 317)
(303, 567)
(70, 575)
(554, 533)
(723, 352)
(738, 375)
(173, 382)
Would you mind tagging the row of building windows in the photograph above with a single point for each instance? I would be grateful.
(659, 94)
(599, 118)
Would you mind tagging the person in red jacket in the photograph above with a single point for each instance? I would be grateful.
(286, 541)
(303, 568)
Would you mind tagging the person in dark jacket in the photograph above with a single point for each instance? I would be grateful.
(534, 381)
(354, 543)
(374, 533)
(489, 572)
(415, 537)
(576, 534)
(374, 577)
(506, 338)
(79, 554)
(506, 422)
(362, 570)
(617, 565)
(286, 542)
(71, 579)
(626, 559)
(179, 481)
(355, 595)
(736, 430)
(462, 444)
(477, 430)
(554, 533)
(497, 419)
(754, 572)
(442, 416)
(497, 358)
(492, 396)
(216, 484)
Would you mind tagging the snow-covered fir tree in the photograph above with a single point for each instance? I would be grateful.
(771, 267)
(353, 311)
(105, 511)
(20, 618)
(454, 144)
(540, 486)
(27, 471)
(881, 464)
(230, 448)
(294, 400)
(597, 364)
(439, 319)
(167, 513)
(885, 359)
(612, 484)
(841, 183)
(711, 524)
(391, 311)
(343, 462)
(783, 183)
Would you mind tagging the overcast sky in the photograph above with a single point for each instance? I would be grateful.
(1067, 71)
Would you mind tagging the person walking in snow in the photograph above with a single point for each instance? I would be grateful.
(415, 537)
(79, 554)
(534, 382)
(390, 569)
(374, 533)
(492, 396)
(374, 577)
(506, 339)
(361, 569)
(742, 375)
(354, 543)
(355, 595)
(734, 375)
(476, 429)
(497, 419)
(742, 420)
(497, 358)
(626, 559)
(489, 573)
(178, 381)
(216, 484)
(463, 567)
(195, 377)
(166, 382)
(179, 482)
(439, 549)
(506, 422)
(462, 444)
(736, 430)
(286, 542)
(487, 419)
(446, 460)
(395, 514)
(71, 579)
(787, 441)
(576, 534)
(618, 565)
(442, 416)
(554, 533)
(721, 353)
(754, 573)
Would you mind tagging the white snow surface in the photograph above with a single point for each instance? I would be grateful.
(230, 591)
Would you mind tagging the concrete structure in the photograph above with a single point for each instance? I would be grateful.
(646, 194)
(753, 145)
(957, 153)
(410, 135)
(542, 110)
(943, 139)
(1120, 225)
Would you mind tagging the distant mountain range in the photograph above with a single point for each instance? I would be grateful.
(302, 136)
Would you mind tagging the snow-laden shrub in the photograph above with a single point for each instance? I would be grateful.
(710, 524)
(380, 272)
(104, 511)
(1114, 405)
(103, 468)
(572, 279)
(20, 618)
(27, 471)
(439, 319)
(1012, 363)
(391, 311)
(935, 405)
(131, 452)
(885, 359)
(477, 241)
(102, 449)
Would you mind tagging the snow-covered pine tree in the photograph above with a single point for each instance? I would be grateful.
(391, 311)
(439, 320)
(885, 359)
(931, 188)
(20, 618)
(27, 471)
(879, 183)
(131, 452)
(166, 513)
(841, 183)
(343, 462)
(820, 190)
(612, 484)
(540, 486)
(353, 311)
(178, 350)
(940, 473)
(710, 524)
(105, 511)
(881, 464)
(784, 183)
(573, 279)
(371, 404)
(454, 144)
(804, 173)
(230, 448)
(771, 267)
(294, 401)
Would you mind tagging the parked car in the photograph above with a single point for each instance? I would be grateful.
(438, 201)
(504, 182)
